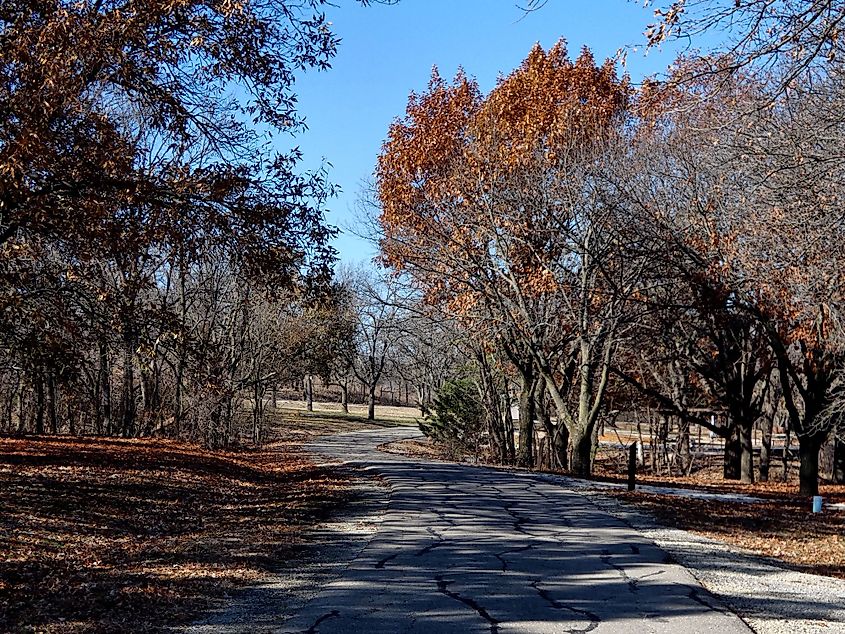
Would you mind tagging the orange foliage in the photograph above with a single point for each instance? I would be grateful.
(457, 176)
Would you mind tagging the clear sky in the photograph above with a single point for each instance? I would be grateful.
(388, 51)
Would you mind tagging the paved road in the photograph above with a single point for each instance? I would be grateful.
(465, 549)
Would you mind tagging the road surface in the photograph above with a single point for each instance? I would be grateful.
(466, 549)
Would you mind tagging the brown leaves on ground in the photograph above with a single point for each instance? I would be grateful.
(782, 527)
(105, 535)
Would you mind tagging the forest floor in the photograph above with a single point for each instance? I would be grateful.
(779, 524)
(112, 535)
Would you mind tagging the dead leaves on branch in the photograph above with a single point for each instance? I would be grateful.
(457, 176)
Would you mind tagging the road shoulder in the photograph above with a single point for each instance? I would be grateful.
(329, 550)
(772, 599)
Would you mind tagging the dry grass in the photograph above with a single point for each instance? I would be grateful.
(384, 413)
(423, 448)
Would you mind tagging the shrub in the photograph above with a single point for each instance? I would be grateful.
(455, 418)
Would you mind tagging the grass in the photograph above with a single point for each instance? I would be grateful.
(386, 415)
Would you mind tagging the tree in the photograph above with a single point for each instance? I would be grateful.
(140, 200)
(689, 204)
(749, 204)
(104, 134)
(377, 311)
(496, 208)
(455, 417)
(792, 253)
(796, 37)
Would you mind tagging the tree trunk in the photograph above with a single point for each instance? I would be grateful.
(808, 472)
(71, 419)
(177, 399)
(524, 457)
(21, 406)
(10, 411)
(257, 413)
(344, 396)
(52, 393)
(309, 393)
(560, 445)
(787, 443)
(104, 377)
(371, 403)
(38, 381)
(839, 460)
(684, 452)
(766, 448)
(496, 440)
(746, 436)
(230, 423)
(541, 409)
(504, 399)
(181, 350)
(128, 423)
(733, 453)
(582, 453)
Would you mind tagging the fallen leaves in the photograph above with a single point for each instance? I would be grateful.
(780, 527)
(107, 535)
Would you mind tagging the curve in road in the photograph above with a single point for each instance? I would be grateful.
(466, 549)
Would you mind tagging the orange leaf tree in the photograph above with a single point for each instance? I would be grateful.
(499, 209)
(748, 201)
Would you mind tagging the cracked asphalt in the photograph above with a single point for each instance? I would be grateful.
(468, 549)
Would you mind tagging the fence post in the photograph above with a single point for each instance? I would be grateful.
(632, 466)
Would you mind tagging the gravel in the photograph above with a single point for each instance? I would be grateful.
(769, 597)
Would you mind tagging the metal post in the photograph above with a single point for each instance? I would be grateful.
(632, 466)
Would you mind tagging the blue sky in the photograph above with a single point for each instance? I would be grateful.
(388, 51)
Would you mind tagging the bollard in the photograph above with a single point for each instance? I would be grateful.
(632, 466)
(817, 504)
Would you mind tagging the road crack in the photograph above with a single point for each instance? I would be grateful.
(313, 629)
(518, 520)
(443, 588)
(559, 605)
(500, 556)
(381, 563)
(628, 579)
(440, 542)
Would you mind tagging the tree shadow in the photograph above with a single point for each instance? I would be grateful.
(114, 536)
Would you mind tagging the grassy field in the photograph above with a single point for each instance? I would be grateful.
(109, 535)
(357, 413)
